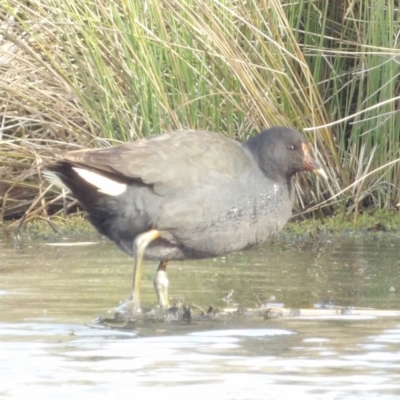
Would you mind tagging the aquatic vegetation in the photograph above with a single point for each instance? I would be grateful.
(82, 74)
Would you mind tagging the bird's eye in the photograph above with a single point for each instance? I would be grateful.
(292, 147)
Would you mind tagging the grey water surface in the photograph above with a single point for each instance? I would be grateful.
(52, 347)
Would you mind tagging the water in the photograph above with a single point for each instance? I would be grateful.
(52, 347)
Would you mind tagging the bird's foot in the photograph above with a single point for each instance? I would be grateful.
(129, 310)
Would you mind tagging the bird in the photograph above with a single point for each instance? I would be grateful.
(187, 194)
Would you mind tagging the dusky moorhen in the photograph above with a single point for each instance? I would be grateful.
(187, 194)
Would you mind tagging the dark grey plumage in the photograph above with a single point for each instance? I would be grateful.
(207, 194)
(204, 193)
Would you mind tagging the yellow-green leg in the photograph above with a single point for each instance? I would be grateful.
(139, 246)
(160, 282)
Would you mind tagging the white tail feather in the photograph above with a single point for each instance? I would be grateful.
(54, 179)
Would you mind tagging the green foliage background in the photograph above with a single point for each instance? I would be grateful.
(85, 73)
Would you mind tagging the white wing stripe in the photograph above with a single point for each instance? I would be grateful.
(104, 185)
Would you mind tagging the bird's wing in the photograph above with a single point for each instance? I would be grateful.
(172, 162)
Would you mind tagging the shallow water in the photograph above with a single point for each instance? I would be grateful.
(52, 347)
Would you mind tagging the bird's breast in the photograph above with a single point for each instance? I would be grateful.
(234, 224)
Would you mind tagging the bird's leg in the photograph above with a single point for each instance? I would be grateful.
(139, 246)
(160, 282)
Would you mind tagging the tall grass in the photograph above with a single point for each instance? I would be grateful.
(354, 54)
(88, 73)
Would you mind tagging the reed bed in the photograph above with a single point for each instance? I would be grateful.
(85, 73)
